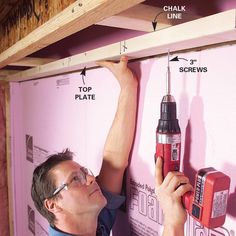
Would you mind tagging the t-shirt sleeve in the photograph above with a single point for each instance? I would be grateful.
(107, 216)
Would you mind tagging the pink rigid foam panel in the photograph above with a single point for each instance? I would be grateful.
(47, 118)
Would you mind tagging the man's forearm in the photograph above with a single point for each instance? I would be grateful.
(121, 134)
(173, 230)
(119, 141)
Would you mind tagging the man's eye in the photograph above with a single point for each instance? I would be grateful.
(76, 178)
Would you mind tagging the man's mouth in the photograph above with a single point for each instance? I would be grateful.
(94, 191)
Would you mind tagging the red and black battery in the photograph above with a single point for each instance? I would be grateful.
(208, 203)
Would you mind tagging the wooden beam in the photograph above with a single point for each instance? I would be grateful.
(5, 73)
(32, 61)
(141, 16)
(76, 17)
(189, 35)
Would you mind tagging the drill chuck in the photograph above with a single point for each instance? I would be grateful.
(168, 123)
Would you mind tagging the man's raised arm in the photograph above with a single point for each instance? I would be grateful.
(120, 137)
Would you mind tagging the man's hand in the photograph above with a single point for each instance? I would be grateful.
(123, 74)
(120, 138)
(169, 192)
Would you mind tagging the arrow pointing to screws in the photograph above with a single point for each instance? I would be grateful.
(178, 58)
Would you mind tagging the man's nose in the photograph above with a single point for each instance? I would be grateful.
(90, 179)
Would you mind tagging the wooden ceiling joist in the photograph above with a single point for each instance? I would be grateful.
(32, 61)
(141, 16)
(219, 28)
(79, 15)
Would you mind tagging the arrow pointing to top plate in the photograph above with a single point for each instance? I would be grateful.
(83, 73)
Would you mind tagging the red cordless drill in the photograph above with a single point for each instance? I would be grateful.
(208, 203)
(168, 136)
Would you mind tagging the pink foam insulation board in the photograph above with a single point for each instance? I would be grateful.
(55, 113)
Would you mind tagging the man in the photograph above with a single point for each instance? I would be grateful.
(71, 199)
(68, 195)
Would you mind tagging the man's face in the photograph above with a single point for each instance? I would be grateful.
(78, 198)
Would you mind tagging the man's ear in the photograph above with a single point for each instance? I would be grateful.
(51, 205)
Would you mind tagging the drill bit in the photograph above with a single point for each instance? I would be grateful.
(168, 75)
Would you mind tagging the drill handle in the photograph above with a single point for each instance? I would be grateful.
(187, 200)
(170, 154)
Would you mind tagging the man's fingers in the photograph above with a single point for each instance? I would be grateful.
(169, 177)
(124, 60)
(158, 171)
(177, 181)
(181, 190)
(107, 64)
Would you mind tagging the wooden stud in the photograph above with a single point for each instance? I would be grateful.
(189, 35)
(8, 156)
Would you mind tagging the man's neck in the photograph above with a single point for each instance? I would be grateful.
(84, 225)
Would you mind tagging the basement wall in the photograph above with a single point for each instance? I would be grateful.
(46, 118)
